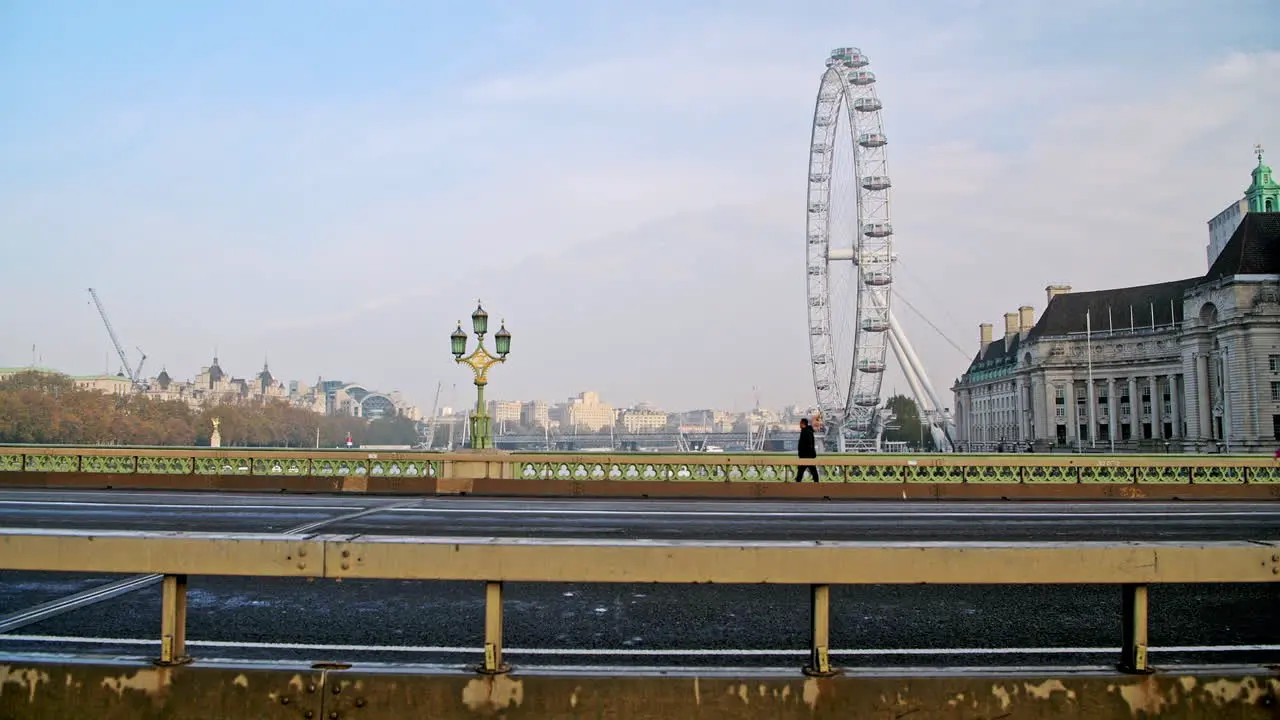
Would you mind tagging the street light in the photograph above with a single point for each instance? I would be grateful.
(480, 361)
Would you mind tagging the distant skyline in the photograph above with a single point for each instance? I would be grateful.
(333, 186)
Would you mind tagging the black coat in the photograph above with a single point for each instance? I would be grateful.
(806, 445)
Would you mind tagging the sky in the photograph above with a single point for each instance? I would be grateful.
(331, 186)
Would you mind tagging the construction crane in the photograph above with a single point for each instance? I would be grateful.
(431, 421)
(134, 376)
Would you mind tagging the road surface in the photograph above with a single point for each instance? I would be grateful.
(643, 625)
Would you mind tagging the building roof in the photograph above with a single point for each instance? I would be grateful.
(215, 371)
(1115, 309)
(996, 359)
(1254, 248)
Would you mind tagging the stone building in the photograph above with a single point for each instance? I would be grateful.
(1187, 365)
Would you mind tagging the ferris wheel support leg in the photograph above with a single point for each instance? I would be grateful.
(912, 380)
(940, 425)
(896, 333)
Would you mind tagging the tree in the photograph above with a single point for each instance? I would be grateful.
(907, 426)
(47, 408)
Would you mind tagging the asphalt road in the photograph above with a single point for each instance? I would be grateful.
(647, 625)
(649, 519)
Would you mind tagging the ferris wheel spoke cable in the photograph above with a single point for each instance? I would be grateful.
(914, 280)
(929, 322)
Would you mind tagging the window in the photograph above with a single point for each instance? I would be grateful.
(1274, 361)
(1275, 391)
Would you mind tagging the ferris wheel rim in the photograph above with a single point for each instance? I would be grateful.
(846, 86)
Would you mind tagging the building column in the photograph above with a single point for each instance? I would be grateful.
(1018, 433)
(1050, 412)
(1135, 410)
(1091, 412)
(1073, 415)
(1175, 413)
(1204, 401)
(1157, 410)
(1112, 402)
(1228, 407)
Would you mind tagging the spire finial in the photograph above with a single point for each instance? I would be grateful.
(1257, 150)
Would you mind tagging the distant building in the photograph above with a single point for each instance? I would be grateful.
(1194, 362)
(109, 384)
(535, 414)
(504, 411)
(1223, 226)
(638, 420)
(584, 412)
(213, 386)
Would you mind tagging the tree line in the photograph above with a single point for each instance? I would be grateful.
(41, 408)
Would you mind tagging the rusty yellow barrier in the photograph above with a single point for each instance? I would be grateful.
(1131, 565)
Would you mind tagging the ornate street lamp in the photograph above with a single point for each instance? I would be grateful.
(480, 361)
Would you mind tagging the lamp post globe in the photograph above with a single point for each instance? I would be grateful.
(458, 341)
(502, 340)
(480, 320)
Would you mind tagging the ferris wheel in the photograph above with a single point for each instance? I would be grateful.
(849, 252)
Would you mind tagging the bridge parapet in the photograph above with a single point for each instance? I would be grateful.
(649, 474)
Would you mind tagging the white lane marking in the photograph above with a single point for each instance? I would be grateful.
(174, 506)
(622, 652)
(350, 516)
(1056, 514)
(115, 589)
(58, 606)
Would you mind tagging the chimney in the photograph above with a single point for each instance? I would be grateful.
(1054, 290)
(984, 337)
(1026, 318)
(1010, 325)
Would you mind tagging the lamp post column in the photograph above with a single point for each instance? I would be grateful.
(481, 439)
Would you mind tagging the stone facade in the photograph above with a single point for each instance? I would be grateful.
(1189, 365)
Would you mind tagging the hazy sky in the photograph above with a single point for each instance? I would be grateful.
(333, 184)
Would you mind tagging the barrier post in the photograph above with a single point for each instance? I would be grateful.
(819, 631)
(1133, 647)
(173, 621)
(493, 664)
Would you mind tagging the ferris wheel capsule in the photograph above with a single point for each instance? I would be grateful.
(876, 182)
(867, 105)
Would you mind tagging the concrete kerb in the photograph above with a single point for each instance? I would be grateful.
(36, 690)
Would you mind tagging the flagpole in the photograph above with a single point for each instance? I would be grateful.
(1088, 339)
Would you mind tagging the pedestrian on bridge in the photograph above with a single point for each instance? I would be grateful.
(806, 449)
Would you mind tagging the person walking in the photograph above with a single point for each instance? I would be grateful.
(806, 448)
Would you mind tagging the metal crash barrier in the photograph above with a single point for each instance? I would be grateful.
(1132, 566)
